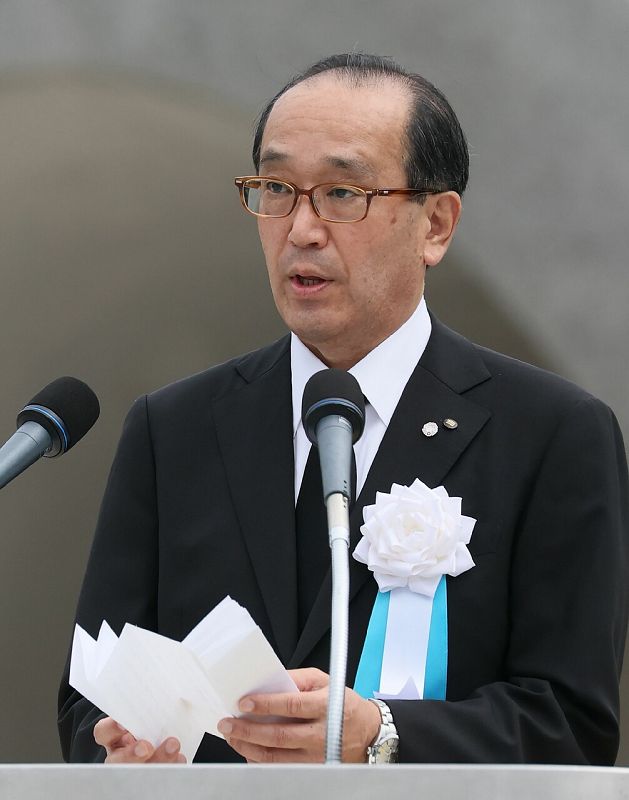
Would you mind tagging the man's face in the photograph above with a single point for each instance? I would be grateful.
(343, 288)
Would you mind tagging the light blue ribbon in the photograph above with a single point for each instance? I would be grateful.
(368, 675)
(436, 677)
(370, 666)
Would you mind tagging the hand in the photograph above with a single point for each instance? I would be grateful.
(123, 748)
(300, 737)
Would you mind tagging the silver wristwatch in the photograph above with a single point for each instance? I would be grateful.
(384, 749)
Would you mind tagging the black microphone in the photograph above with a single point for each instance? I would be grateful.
(49, 425)
(333, 416)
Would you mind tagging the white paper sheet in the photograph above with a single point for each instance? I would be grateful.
(157, 687)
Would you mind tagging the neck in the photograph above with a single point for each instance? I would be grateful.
(345, 354)
(338, 359)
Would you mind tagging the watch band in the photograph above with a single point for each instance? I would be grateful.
(384, 750)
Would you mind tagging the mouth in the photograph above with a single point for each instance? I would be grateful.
(305, 280)
(307, 285)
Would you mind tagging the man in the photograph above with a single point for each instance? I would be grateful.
(201, 498)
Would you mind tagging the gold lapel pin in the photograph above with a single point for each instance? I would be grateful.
(430, 429)
(450, 423)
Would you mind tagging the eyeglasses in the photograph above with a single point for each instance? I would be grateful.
(332, 202)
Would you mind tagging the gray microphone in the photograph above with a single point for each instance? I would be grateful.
(49, 425)
(333, 416)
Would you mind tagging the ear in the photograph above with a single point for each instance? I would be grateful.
(443, 212)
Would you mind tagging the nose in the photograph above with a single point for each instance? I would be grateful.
(307, 229)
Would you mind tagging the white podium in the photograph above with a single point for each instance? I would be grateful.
(346, 782)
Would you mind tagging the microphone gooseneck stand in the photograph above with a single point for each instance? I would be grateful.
(338, 524)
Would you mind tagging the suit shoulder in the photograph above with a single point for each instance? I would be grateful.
(523, 373)
(542, 398)
(484, 373)
(221, 379)
(526, 404)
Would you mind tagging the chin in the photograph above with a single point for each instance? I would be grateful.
(316, 329)
(318, 336)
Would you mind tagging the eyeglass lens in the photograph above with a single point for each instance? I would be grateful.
(335, 202)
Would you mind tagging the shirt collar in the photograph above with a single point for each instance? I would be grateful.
(382, 374)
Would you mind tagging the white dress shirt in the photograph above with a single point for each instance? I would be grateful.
(382, 374)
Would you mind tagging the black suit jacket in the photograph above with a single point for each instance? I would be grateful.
(200, 504)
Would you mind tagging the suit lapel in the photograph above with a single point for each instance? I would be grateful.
(255, 435)
(449, 367)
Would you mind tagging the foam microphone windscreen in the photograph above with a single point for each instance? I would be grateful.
(69, 399)
(333, 391)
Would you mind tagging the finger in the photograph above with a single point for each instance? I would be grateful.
(167, 753)
(292, 736)
(256, 754)
(297, 705)
(137, 753)
(309, 679)
(108, 733)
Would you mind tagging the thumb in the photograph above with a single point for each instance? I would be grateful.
(309, 679)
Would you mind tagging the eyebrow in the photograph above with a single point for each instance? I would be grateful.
(353, 165)
(272, 156)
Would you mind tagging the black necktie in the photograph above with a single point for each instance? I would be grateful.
(311, 525)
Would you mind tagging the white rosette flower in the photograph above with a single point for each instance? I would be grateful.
(414, 535)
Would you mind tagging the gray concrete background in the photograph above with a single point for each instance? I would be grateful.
(121, 263)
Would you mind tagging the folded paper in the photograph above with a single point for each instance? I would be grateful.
(156, 687)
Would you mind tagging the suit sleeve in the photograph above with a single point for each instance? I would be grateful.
(120, 583)
(559, 700)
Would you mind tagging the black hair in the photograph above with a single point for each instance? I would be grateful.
(437, 155)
